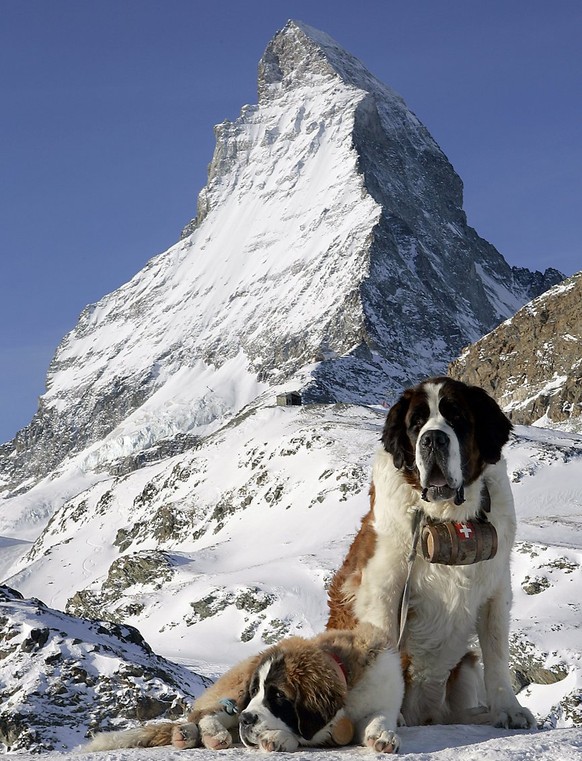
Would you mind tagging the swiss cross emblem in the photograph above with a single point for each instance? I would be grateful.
(464, 530)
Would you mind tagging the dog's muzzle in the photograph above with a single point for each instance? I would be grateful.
(247, 723)
(437, 482)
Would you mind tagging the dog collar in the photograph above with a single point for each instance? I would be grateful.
(229, 706)
(340, 667)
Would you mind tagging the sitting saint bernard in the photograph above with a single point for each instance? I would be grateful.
(321, 691)
(430, 564)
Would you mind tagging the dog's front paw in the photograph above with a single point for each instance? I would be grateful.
(276, 740)
(220, 741)
(385, 742)
(376, 734)
(514, 717)
(214, 735)
(185, 736)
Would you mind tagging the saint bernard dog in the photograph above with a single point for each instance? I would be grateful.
(329, 690)
(440, 464)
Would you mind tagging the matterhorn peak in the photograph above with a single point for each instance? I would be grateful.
(300, 54)
(330, 253)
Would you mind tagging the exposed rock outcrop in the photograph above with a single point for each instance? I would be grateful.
(532, 363)
(64, 677)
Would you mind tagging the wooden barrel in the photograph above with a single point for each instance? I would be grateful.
(453, 543)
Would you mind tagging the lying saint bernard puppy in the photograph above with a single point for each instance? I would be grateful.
(320, 691)
(439, 475)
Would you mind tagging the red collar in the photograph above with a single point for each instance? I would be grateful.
(340, 665)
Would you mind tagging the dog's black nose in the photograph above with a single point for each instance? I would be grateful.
(435, 440)
(247, 718)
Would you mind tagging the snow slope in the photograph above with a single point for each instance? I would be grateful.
(61, 675)
(219, 551)
(439, 743)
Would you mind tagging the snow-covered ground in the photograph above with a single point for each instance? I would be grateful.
(438, 743)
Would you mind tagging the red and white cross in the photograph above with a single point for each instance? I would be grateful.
(464, 530)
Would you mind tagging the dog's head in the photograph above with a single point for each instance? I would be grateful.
(442, 433)
(296, 690)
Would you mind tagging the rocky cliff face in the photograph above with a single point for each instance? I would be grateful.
(330, 252)
(532, 363)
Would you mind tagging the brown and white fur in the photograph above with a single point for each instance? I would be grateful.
(299, 692)
(441, 440)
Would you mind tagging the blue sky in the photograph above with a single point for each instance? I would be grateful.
(106, 133)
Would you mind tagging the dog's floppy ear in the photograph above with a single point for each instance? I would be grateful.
(310, 718)
(394, 436)
(492, 427)
(317, 702)
(310, 722)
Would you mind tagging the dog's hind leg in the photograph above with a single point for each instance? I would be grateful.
(465, 693)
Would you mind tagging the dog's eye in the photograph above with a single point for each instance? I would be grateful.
(417, 420)
(452, 412)
(418, 417)
(280, 697)
(253, 688)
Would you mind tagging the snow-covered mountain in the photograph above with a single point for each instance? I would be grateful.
(532, 362)
(160, 486)
(330, 252)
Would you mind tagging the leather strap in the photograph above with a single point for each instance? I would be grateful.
(416, 526)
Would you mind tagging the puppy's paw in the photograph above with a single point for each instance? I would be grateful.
(385, 742)
(376, 734)
(514, 717)
(215, 736)
(276, 740)
(220, 741)
(185, 736)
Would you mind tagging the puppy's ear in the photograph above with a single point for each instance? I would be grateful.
(311, 717)
(319, 703)
(310, 722)
(492, 427)
(394, 436)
